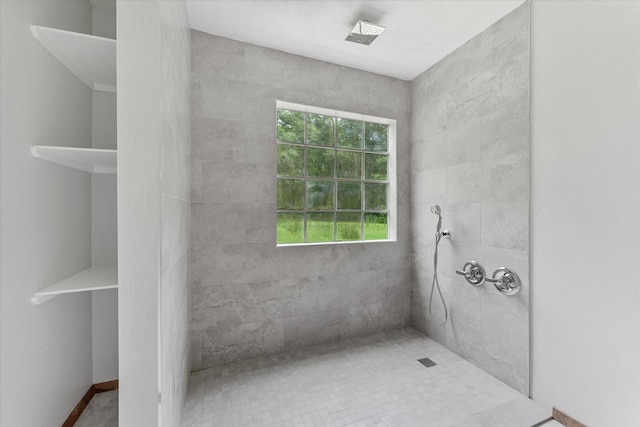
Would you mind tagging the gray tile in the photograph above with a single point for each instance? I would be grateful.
(227, 344)
(315, 328)
(463, 300)
(506, 38)
(349, 382)
(507, 179)
(261, 222)
(468, 183)
(218, 305)
(429, 186)
(429, 153)
(506, 319)
(218, 222)
(207, 51)
(242, 101)
(281, 298)
(376, 317)
(215, 139)
(506, 131)
(506, 225)
(196, 350)
(363, 288)
(520, 412)
(430, 326)
(236, 183)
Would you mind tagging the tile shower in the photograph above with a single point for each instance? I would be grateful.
(249, 297)
(470, 153)
(463, 142)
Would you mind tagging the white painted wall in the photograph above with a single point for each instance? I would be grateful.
(45, 219)
(104, 304)
(153, 211)
(585, 209)
(139, 268)
(104, 228)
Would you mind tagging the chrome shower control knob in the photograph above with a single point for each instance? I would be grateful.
(473, 272)
(506, 281)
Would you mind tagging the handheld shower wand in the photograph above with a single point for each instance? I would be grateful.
(435, 284)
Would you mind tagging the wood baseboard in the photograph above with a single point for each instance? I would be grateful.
(565, 419)
(80, 407)
(105, 386)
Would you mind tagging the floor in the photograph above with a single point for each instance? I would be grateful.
(102, 411)
(370, 381)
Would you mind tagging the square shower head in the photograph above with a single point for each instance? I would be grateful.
(364, 33)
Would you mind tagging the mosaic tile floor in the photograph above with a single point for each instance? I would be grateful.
(370, 381)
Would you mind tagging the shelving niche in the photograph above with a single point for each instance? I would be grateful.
(92, 160)
(91, 279)
(92, 59)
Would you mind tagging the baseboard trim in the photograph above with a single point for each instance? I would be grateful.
(105, 386)
(565, 419)
(81, 406)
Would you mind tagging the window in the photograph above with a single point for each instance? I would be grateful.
(335, 176)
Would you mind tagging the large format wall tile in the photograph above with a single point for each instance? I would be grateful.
(250, 297)
(470, 154)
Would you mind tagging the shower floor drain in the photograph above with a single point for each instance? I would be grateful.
(427, 362)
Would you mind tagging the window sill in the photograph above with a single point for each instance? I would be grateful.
(356, 242)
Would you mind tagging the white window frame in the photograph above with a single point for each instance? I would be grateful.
(392, 217)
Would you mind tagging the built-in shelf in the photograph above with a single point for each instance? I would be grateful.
(91, 58)
(92, 160)
(91, 279)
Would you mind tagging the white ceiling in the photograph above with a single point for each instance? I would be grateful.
(418, 33)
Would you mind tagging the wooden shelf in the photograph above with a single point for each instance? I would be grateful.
(91, 279)
(92, 160)
(91, 58)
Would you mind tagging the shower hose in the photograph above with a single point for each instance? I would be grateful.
(435, 284)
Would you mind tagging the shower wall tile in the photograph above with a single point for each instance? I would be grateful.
(470, 155)
(375, 317)
(196, 349)
(303, 331)
(223, 345)
(507, 178)
(505, 132)
(464, 301)
(429, 186)
(506, 225)
(217, 222)
(468, 183)
(281, 298)
(429, 325)
(250, 297)
(260, 222)
(466, 220)
(217, 305)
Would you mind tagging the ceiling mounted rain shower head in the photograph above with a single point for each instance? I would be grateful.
(364, 33)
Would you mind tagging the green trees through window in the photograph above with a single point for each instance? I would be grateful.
(333, 181)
